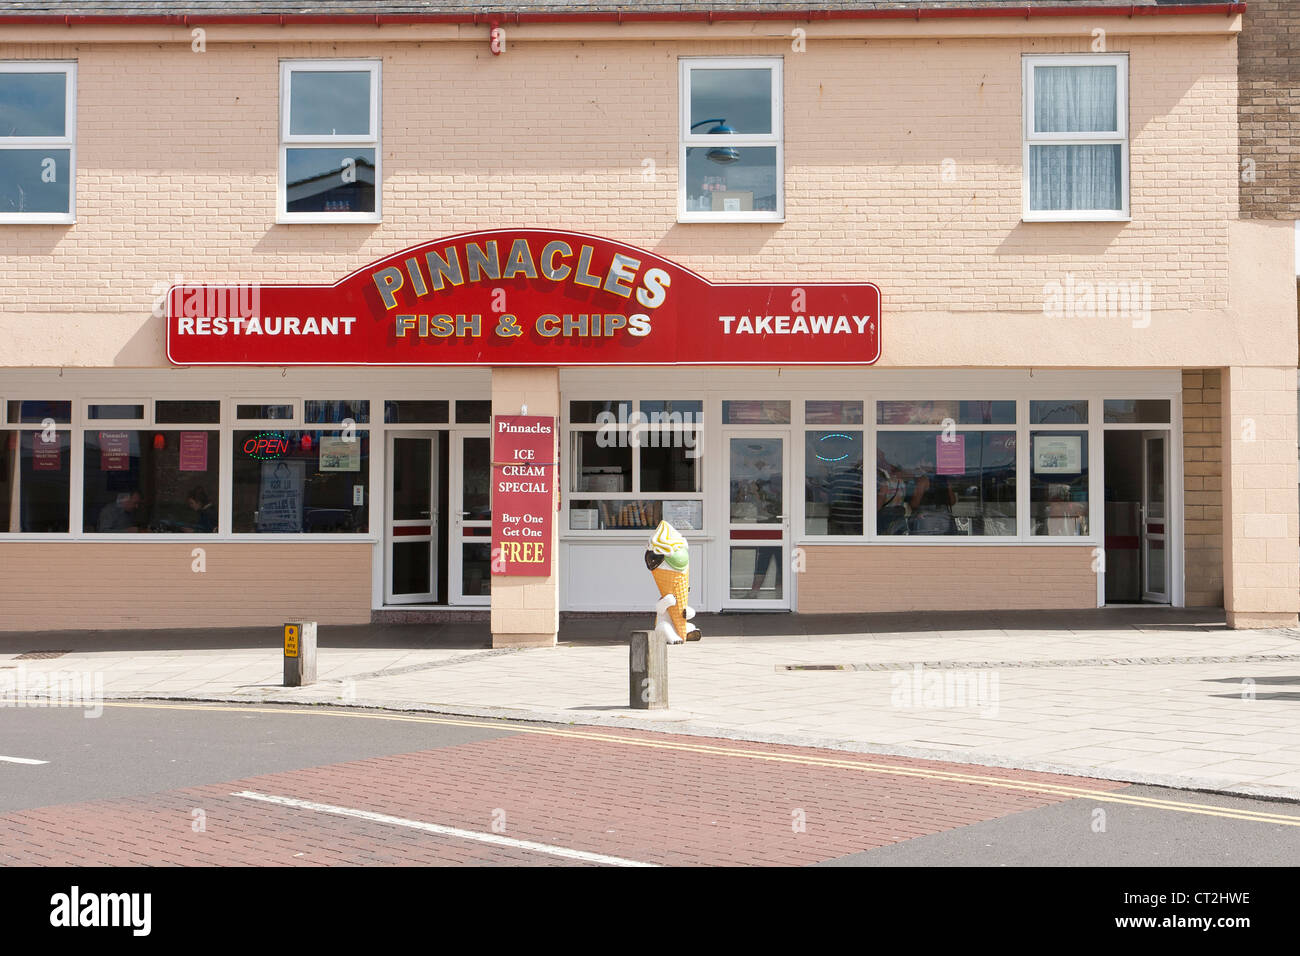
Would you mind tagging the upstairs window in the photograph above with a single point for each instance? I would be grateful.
(329, 141)
(38, 105)
(731, 163)
(1076, 138)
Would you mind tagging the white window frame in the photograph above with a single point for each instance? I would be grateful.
(289, 141)
(1114, 137)
(68, 141)
(705, 139)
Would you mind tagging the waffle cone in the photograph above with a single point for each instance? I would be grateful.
(676, 583)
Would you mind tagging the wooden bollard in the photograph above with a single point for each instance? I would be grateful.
(647, 683)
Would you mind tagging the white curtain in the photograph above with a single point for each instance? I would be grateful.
(1075, 99)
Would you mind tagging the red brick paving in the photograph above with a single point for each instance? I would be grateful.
(654, 805)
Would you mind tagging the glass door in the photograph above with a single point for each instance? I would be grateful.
(758, 524)
(411, 529)
(1154, 527)
(469, 561)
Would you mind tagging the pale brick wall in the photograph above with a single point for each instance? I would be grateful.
(901, 578)
(177, 160)
(71, 586)
(1203, 487)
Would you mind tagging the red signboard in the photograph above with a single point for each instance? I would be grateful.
(523, 494)
(525, 297)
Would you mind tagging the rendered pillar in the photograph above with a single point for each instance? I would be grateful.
(1261, 524)
(526, 610)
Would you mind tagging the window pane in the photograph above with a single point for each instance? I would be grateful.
(756, 574)
(1058, 487)
(684, 410)
(111, 412)
(1075, 99)
(832, 413)
(757, 481)
(601, 463)
(146, 481)
(1058, 413)
(329, 103)
(619, 514)
(476, 479)
(756, 413)
(415, 412)
(1075, 177)
(668, 464)
(1136, 410)
(35, 413)
(477, 412)
(333, 411)
(264, 412)
(476, 570)
(330, 180)
(38, 471)
(186, 413)
(33, 104)
(934, 413)
(928, 486)
(740, 98)
(833, 482)
(301, 481)
(35, 180)
(727, 178)
(587, 413)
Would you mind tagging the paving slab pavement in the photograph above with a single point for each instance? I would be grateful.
(1158, 696)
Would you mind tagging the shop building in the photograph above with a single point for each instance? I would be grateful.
(885, 309)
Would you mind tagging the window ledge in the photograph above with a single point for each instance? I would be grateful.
(331, 218)
(38, 219)
(1076, 217)
(722, 217)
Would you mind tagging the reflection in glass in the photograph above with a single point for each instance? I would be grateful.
(771, 412)
(329, 103)
(740, 97)
(412, 479)
(327, 179)
(1122, 411)
(757, 479)
(33, 104)
(599, 463)
(35, 180)
(962, 485)
(756, 573)
(476, 570)
(832, 413)
(310, 481)
(150, 481)
(1058, 413)
(833, 482)
(934, 413)
(748, 184)
(476, 479)
(412, 567)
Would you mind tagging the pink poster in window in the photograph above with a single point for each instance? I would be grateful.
(950, 455)
(114, 451)
(45, 454)
(194, 451)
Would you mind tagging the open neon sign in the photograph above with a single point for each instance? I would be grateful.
(267, 446)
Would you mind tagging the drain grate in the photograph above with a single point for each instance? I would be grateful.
(40, 655)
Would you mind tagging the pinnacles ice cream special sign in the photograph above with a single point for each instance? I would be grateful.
(524, 297)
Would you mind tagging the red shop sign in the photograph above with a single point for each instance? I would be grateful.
(524, 297)
(523, 494)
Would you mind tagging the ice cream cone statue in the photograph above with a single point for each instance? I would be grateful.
(668, 559)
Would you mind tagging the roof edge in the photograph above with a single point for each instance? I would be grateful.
(702, 16)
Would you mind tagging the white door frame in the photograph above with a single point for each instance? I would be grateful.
(1146, 536)
(784, 435)
(457, 526)
(435, 530)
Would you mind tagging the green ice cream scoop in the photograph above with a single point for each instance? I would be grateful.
(677, 559)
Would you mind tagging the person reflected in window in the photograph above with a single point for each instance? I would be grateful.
(119, 515)
(1065, 516)
(891, 500)
(845, 488)
(205, 516)
(932, 503)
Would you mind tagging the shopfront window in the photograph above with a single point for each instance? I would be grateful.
(833, 482)
(301, 481)
(1058, 487)
(136, 481)
(35, 480)
(949, 483)
(731, 145)
(635, 463)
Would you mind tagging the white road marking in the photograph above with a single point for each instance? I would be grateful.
(492, 838)
(21, 760)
